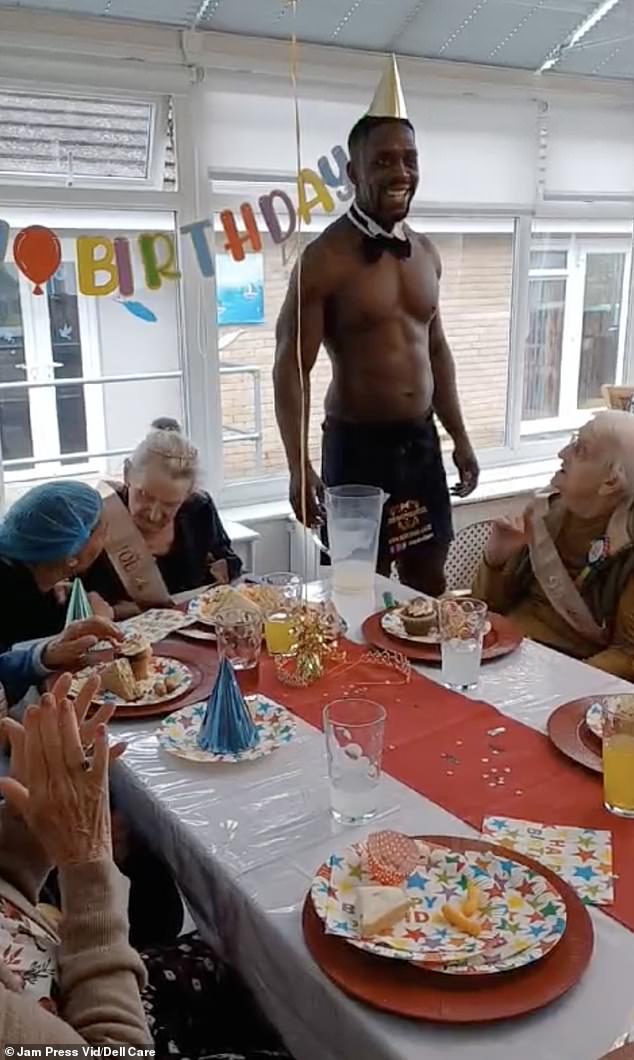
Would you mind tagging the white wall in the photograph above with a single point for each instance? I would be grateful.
(492, 142)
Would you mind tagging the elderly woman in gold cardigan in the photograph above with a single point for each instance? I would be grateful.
(564, 571)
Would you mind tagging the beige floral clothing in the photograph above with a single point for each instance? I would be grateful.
(30, 953)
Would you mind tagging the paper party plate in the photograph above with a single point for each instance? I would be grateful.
(161, 667)
(522, 915)
(178, 734)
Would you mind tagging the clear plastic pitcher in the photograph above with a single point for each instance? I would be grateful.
(353, 515)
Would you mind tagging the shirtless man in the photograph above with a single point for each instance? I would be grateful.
(369, 293)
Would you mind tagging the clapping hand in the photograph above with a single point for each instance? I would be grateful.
(59, 790)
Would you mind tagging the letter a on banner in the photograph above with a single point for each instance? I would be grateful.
(322, 198)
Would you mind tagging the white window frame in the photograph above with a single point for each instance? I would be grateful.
(577, 247)
(153, 181)
(39, 368)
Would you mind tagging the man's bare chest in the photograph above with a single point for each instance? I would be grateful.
(387, 291)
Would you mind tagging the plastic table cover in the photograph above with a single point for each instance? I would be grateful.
(244, 841)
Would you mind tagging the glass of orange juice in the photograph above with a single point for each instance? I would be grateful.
(278, 621)
(618, 755)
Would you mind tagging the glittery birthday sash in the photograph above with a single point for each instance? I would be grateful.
(557, 585)
(131, 558)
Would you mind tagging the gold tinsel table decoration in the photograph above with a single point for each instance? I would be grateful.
(314, 646)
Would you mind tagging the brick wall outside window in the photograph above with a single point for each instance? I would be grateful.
(475, 305)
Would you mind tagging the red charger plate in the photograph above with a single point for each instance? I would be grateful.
(400, 988)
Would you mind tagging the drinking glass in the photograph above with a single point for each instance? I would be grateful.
(354, 730)
(239, 636)
(618, 756)
(278, 623)
(462, 626)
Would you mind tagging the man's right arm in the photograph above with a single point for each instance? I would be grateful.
(287, 382)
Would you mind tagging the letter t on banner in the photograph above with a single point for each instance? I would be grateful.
(201, 247)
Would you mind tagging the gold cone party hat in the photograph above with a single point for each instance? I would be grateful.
(389, 101)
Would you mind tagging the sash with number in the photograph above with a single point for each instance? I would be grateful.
(557, 585)
(131, 558)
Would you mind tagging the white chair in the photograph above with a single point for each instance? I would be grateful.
(465, 555)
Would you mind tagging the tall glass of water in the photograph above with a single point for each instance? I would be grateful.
(354, 730)
(462, 629)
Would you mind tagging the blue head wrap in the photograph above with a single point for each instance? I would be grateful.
(51, 522)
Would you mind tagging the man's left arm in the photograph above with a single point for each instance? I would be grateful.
(618, 657)
(446, 402)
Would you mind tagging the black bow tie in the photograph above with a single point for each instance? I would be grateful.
(374, 247)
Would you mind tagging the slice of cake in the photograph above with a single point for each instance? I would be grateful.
(380, 908)
(117, 677)
(138, 651)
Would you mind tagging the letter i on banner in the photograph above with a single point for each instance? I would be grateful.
(235, 242)
(124, 265)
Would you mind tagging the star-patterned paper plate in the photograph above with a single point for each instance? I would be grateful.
(161, 668)
(594, 719)
(178, 734)
(522, 915)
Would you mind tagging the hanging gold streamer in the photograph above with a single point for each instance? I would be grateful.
(303, 426)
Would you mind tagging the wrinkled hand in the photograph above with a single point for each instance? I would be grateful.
(69, 648)
(101, 608)
(465, 460)
(14, 731)
(508, 535)
(64, 796)
(314, 497)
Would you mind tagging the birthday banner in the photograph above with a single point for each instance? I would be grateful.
(104, 264)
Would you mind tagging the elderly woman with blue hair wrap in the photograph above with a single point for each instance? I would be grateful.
(50, 534)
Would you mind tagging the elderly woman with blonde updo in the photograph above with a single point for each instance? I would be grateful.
(167, 517)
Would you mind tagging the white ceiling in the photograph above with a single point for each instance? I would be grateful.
(517, 33)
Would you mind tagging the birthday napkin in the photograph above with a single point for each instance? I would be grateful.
(581, 856)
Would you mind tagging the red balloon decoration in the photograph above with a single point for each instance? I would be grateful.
(37, 253)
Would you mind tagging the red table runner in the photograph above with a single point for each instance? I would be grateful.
(442, 745)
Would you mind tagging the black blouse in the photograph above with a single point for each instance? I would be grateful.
(200, 539)
(26, 613)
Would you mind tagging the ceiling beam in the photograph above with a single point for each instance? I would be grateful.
(573, 39)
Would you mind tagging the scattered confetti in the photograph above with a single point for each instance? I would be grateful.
(496, 732)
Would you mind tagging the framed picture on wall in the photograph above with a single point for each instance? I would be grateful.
(240, 289)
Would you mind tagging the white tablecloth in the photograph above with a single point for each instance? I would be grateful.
(244, 841)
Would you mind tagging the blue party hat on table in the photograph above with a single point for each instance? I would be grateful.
(227, 726)
(78, 603)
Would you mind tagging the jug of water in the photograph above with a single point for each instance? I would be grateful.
(353, 516)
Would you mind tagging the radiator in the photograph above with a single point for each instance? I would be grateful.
(304, 550)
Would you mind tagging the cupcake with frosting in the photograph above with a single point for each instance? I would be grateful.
(420, 617)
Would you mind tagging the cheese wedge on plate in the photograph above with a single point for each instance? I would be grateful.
(379, 909)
